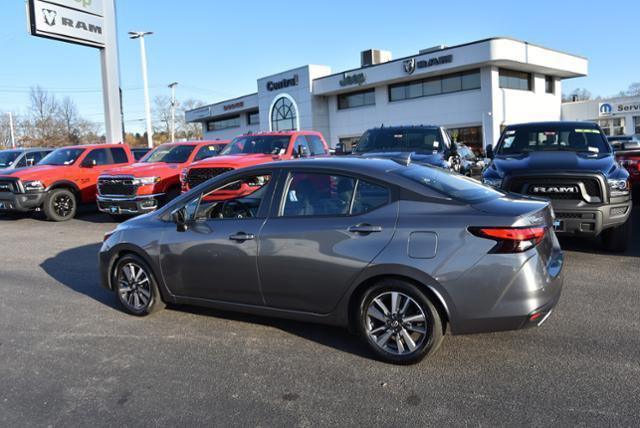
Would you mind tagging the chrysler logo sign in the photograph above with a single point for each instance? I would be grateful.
(410, 65)
(281, 84)
(555, 189)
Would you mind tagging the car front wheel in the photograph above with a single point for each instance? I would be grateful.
(60, 205)
(136, 286)
(399, 323)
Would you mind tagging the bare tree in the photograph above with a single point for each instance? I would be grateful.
(40, 124)
(5, 129)
(578, 94)
(162, 119)
(632, 91)
(190, 131)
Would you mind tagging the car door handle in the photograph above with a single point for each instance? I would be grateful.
(241, 237)
(365, 228)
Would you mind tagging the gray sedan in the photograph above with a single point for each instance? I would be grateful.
(397, 252)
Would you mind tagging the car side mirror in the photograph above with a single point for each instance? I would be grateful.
(181, 219)
(89, 163)
(490, 153)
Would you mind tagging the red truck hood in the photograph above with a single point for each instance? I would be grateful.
(44, 173)
(155, 169)
(235, 161)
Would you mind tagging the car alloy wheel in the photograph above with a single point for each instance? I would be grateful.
(134, 287)
(63, 205)
(396, 323)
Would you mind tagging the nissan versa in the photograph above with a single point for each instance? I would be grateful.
(396, 251)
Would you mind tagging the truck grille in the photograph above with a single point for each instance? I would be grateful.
(116, 186)
(198, 176)
(526, 185)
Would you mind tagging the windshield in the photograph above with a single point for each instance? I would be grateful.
(169, 153)
(256, 144)
(451, 185)
(8, 157)
(62, 157)
(555, 137)
(419, 140)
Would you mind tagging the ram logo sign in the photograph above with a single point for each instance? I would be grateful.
(555, 189)
(54, 21)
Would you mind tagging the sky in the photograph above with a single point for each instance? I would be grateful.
(217, 49)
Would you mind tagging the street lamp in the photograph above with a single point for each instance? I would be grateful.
(173, 110)
(143, 59)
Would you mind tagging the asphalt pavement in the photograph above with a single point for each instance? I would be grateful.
(70, 357)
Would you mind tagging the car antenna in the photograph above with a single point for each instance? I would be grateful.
(403, 158)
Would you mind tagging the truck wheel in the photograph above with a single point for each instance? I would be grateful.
(616, 239)
(60, 205)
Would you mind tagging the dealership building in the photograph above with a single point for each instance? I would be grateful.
(616, 116)
(473, 89)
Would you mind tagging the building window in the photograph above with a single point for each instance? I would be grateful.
(470, 136)
(284, 115)
(511, 79)
(636, 120)
(549, 85)
(446, 84)
(253, 118)
(224, 123)
(612, 127)
(357, 99)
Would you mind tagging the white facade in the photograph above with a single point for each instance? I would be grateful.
(457, 87)
(616, 116)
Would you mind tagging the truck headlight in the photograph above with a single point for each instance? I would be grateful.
(493, 182)
(145, 181)
(618, 187)
(33, 186)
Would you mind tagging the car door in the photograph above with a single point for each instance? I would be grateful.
(103, 160)
(326, 229)
(216, 257)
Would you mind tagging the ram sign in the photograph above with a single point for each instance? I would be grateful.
(50, 19)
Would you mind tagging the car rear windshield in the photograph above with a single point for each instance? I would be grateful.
(450, 185)
(555, 137)
(61, 157)
(258, 144)
(419, 140)
(169, 153)
(8, 157)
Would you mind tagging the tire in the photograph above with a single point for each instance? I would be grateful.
(60, 205)
(616, 239)
(399, 334)
(137, 289)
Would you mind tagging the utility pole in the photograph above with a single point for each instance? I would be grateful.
(173, 110)
(143, 59)
(13, 135)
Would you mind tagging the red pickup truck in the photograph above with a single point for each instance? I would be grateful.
(154, 180)
(254, 149)
(61, 181)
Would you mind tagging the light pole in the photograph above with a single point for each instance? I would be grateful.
(13, 135)
(143, 59)
(173, 110)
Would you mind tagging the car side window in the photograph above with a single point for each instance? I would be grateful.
(22, 162)
(36, 157)
(316, 146)
(119, 155)
(301, 146)
(318, 195)
(206, 152)
(368, 197)
(101, 156)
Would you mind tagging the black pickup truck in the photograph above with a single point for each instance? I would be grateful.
(573, 165)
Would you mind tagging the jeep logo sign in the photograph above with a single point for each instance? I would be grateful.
(555, 189)
(71, 25)
(90, 6)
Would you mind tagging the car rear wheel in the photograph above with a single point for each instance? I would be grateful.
(616, 239)
(136, 286)
(399, 323)
(60, 205)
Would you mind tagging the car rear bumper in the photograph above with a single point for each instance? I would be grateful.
(125, 206)
(21, 202)
(589, 219)
(505, 301)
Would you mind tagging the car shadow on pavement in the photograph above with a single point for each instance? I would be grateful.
(593, 246)
(77, 268)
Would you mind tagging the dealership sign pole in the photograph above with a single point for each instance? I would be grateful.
(88, 23)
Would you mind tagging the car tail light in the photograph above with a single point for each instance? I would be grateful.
(511, 239)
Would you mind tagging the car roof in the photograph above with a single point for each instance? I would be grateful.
(555, 123)
(282, 133)
(93, 146)
(353, 164)
(404, 127)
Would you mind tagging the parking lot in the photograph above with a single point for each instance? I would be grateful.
(69, 355)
